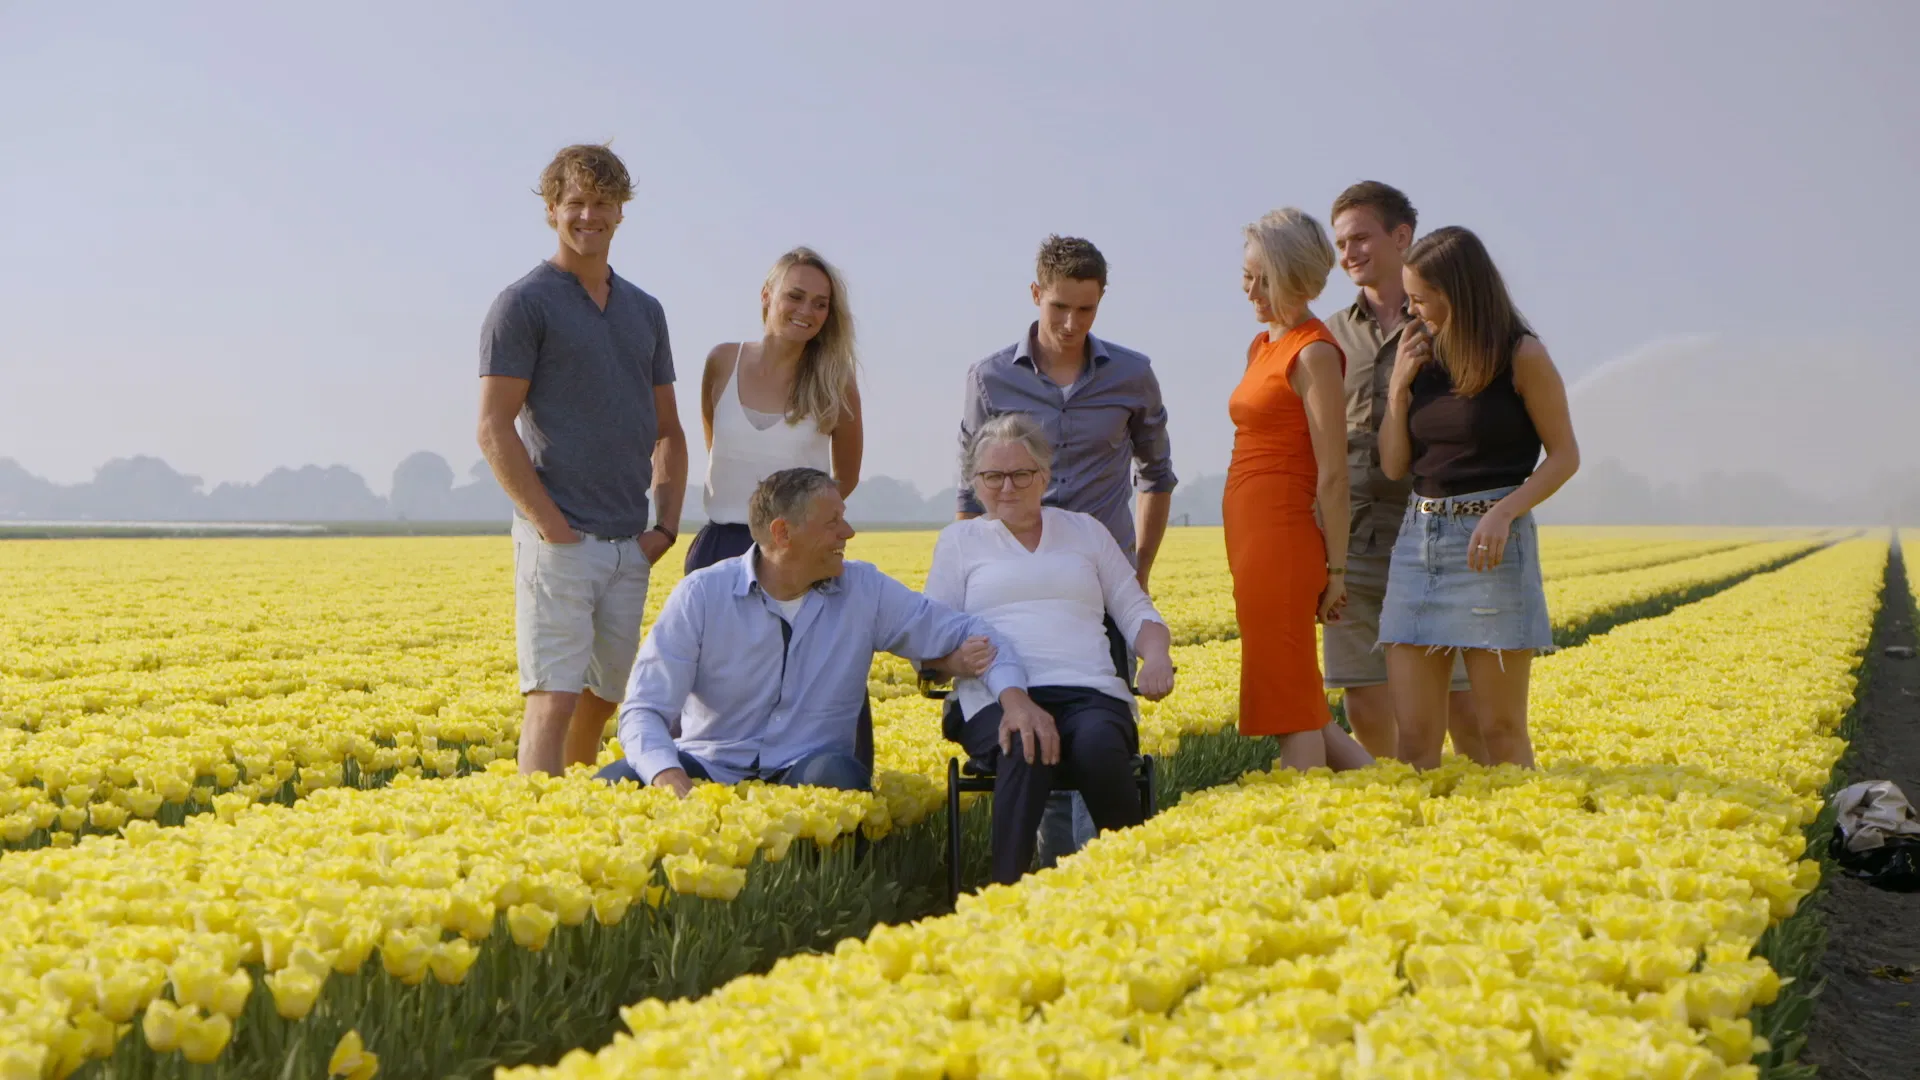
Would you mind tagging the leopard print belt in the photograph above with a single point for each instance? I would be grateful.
(1453, 508)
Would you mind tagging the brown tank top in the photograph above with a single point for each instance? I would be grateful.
(1466, 444)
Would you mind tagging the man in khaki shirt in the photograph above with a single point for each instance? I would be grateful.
(1372, 229)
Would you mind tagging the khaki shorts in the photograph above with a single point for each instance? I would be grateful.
(1351, 646)
(577, 610)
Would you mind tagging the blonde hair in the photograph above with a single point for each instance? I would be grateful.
(1294, 251)
(1012, 427)
(828, 364)
(596, 168)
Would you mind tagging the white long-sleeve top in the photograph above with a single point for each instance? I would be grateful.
(1048, 603)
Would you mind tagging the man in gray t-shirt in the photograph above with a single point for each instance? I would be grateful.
(580, 358)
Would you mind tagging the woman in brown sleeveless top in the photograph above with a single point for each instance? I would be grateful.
(1474, 400)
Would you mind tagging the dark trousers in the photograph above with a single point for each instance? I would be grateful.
(1098, 740)
(716, 541)
(726, 540)
(828, 770)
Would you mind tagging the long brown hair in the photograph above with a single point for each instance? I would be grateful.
(823, 385)
(1477, 342)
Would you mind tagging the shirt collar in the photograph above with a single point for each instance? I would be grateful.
(1023, 352)
(748, 577)
(1359, 309)
(555, 268)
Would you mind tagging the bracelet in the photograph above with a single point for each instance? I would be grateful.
(1336, 569)
(672, 537)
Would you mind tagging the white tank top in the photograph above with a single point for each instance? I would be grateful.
(744, 453)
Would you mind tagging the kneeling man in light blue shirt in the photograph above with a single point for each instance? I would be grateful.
(757, 667)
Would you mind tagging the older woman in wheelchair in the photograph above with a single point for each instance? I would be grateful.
(1046, 579)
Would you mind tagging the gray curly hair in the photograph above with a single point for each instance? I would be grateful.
(1012, 427)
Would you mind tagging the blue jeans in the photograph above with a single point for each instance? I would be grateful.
(1433, 599)
(827, 770)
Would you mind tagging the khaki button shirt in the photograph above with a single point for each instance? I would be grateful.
(1378, 502)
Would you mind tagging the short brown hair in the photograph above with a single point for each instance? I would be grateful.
(1389, 202)
(594, 167)
(1069, 258)
(785, 494)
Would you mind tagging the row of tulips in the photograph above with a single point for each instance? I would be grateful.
(141, 680)
(265, 931)
(1607, 561)
(1597, 918)
(70, 937)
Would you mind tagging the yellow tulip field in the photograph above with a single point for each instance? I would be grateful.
(259, 818)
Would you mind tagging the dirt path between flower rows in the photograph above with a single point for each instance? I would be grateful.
(1866, 1022)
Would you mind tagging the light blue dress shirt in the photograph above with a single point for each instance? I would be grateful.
(719, 677)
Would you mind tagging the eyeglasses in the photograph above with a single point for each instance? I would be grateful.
(1022, 478)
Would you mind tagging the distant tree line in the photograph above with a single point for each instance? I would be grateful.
(148, 489)
(424, 489)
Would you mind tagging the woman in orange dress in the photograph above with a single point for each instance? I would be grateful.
(1289, 451)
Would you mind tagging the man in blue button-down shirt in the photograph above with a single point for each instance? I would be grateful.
(757, 666)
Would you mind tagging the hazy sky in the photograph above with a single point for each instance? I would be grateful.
(240, 238)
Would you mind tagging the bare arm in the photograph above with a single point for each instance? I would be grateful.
(1396, 442)
(1154, 646)
(1540, 387)
(712, 377)
(1316, 378)
(849, 440)
(1150, 512)
(669, 459)
(501, 398)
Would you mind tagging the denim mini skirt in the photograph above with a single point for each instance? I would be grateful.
(1433, 597)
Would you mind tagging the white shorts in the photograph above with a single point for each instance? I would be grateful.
(577, 610)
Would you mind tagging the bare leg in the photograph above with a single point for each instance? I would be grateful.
(543, 731)
(1343, 751)
(1370, 711)
(1500, 698)
(1303, 750)
(1418, 677)
(587, 728)
(1463, 727)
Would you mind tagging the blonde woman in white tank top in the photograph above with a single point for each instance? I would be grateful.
(762, 403)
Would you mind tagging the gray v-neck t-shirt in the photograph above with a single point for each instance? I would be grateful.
(589, 421)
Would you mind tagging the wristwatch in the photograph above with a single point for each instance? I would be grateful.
(672, 537)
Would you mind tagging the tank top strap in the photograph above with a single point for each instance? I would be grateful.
(733, 377)
(749, 446)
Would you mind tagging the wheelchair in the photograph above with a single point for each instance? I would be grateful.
(977, 776)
